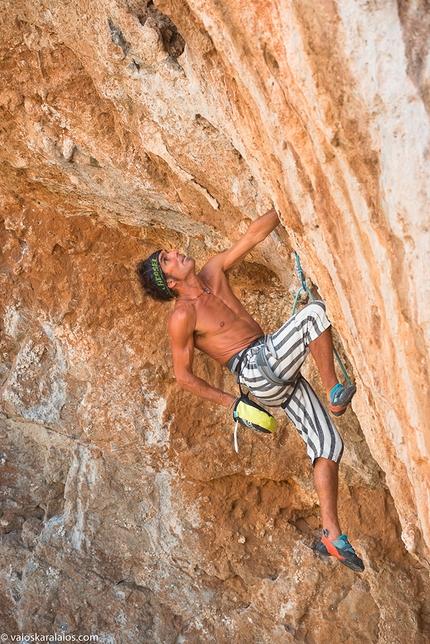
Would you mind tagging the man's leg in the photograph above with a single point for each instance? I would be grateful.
(310, 329)
(322, 352)
(324, 447)
(326, 483)
(326, 472)
(332, 541)
(338, 396)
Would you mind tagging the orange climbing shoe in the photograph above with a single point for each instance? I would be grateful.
(341, 549)
(340, 397)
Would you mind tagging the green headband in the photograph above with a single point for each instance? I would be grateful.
(156, 275)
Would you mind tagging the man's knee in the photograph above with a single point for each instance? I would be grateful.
(316, 305)
(331, 449)
(329, 463)
(312, 321)
(317, 309)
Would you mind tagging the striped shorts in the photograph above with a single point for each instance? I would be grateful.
(286, 350)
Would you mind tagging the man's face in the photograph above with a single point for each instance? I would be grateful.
(176, 264)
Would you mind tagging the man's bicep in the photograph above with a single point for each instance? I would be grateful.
(181, 332)
(257, 231)
(233, 256)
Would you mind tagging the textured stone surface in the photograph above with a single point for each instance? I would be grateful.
(125, 127)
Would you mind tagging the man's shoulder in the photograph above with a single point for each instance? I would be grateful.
(183, 313)
(182, 324)
(213, 269)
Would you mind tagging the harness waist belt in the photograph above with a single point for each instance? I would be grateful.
(234, 363)
(265, 369)
(261, 362)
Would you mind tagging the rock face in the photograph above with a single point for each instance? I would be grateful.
(126, 126)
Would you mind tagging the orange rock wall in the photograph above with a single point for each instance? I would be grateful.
(126, 127)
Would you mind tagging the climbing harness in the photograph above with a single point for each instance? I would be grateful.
(304, 287)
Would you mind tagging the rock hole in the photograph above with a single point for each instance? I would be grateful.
(173, 42)
(271, 61)
(58, 250)
(117, 37)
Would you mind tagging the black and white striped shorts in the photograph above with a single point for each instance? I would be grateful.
(286, 350)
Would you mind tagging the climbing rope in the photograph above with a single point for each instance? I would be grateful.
(304, 287)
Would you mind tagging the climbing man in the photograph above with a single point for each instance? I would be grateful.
(209, 317)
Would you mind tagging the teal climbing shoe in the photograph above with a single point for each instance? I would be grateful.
(341, 549)
(340, 397)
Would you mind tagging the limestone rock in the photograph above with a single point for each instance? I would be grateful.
(130, 125)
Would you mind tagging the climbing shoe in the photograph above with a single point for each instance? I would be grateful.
(340, 397)
(341, 549)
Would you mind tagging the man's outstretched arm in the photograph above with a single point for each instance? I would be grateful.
(258, 230)
(181, 329)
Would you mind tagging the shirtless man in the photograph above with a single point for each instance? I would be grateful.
(208, 316)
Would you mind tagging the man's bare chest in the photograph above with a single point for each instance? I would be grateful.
(213, 315)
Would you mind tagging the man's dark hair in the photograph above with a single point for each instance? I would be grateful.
(153, 280)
